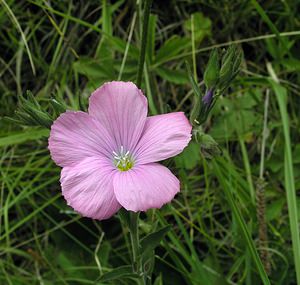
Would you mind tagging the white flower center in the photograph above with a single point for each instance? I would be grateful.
(123, 160)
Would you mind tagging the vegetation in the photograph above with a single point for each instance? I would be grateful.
(236, 219)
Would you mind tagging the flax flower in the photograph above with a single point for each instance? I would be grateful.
(109, 155)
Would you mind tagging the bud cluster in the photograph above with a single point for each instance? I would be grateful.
(31, 113)
(219, 74)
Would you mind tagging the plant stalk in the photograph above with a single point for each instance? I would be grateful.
(135, 245)
(146, 15)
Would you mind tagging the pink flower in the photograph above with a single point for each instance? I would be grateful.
(109, 155)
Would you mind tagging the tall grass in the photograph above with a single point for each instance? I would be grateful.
(73, 47)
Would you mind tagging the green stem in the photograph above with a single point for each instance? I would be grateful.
(134, 235)
(144, 41)
(135, 245)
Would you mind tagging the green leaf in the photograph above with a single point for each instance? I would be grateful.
(172, 47)
(289, 180)
(226, 185)
(151, 37)
(174, 76)
(274, 209)
(158, 280)
(120, 45)
(202, 26)
(106, 18)
(118, 273)
(93, 69)
(124, 217)
(151, 241)
(190, 157)
(23, 136)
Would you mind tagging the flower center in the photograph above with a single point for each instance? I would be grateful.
(123, 160)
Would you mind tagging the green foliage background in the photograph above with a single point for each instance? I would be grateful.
(65, 50)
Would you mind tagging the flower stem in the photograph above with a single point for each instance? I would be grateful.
(134, 235)
(144, 41)
(135, 245)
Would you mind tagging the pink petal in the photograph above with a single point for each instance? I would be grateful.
(88, 188)
(122, 108)
(164, 136)
(75, 136)
(145, 187)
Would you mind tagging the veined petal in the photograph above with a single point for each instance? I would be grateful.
(75, 136)
(164, 136)
(145, 187)
(122, 108)
(88, 188)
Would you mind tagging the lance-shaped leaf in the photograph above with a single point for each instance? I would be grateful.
(117, 274)
(151, 241)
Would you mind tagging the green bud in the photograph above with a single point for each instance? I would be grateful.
(231, 63)
(25, 118)
(195, 111)
(211, 74)
(30, 112)
(197, 102)
(209, 147)
(226, 70)
(32, 99)
(57, 106)
(237, 61)
(42, 118)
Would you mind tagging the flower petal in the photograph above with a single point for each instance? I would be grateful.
(88, 188)
(164, 136)
(145, 187)
(75, 136)
(122, 108)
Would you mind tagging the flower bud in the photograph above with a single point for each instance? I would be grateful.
(226, 70)
(208, 146)
(197, 102)
(237, 61)
(30, 112)
(195, 111)
(207, 98)
(57, 106)
(211, 74)
(231, 63)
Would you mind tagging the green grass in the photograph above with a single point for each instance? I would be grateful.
(67, 49)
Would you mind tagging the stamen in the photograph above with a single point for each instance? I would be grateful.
(123, 160)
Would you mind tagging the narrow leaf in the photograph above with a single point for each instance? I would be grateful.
(118, 273)
(151, 241)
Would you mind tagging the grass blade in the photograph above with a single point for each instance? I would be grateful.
(236, 212)
(16, 22)
(289, 181)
